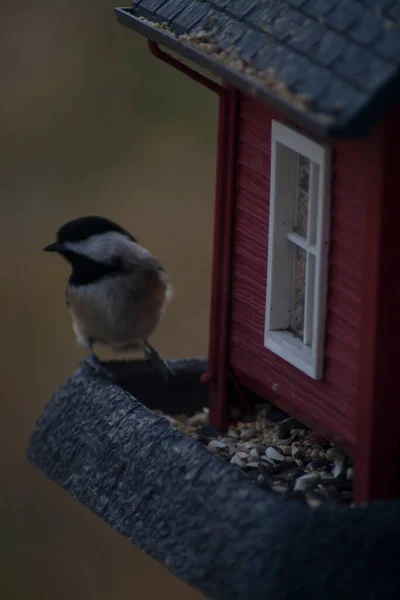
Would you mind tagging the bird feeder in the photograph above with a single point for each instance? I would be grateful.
(305, 291)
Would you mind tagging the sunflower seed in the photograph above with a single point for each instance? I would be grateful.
(318, 463)
(285, 428)
(268, 459)
(232, 433)
(241, 455)
(246, 434)
(253, 464)
(283, 467)
(303, 481)
(272, 453)
(296, 450)
(217, 444)
(236, 460)
(338, 469)
(335, 454)
(279, 486)
(198, 419)
(247, 445)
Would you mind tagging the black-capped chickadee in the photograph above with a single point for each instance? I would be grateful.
(117, 290)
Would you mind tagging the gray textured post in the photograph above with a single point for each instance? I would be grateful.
(201, 517)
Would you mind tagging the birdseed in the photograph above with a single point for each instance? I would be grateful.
(281, 456)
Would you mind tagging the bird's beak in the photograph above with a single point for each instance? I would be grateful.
(53, 247)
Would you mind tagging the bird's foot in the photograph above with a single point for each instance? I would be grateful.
(158, 363)
(99, 369)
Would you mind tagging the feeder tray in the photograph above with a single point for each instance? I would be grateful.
(197, 515)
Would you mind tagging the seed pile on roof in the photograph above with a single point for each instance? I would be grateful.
(206, 42)
(278, 453)
(334, 65)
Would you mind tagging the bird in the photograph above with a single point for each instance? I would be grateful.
(117, 290)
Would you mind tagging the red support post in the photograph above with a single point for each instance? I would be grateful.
(218, 374)
(218, 370)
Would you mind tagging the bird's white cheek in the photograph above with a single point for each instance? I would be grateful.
(169, 293)
(80, 338)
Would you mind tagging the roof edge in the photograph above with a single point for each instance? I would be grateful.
(321, 127)
(325, 126)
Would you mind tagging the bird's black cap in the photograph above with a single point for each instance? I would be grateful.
(86, 270)
(84, 227)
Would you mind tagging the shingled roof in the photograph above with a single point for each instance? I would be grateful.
(331, 64)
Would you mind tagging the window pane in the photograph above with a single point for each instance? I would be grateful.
(299, 290)
(303, 185)
(309, 300)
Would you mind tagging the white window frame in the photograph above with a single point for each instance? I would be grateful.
(305, 354)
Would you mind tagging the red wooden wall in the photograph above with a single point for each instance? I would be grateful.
(328, 405)
(377, 452)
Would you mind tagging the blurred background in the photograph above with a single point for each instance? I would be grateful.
(91, 123)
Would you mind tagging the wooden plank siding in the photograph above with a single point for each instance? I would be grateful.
(330, 404)
(377, 454)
